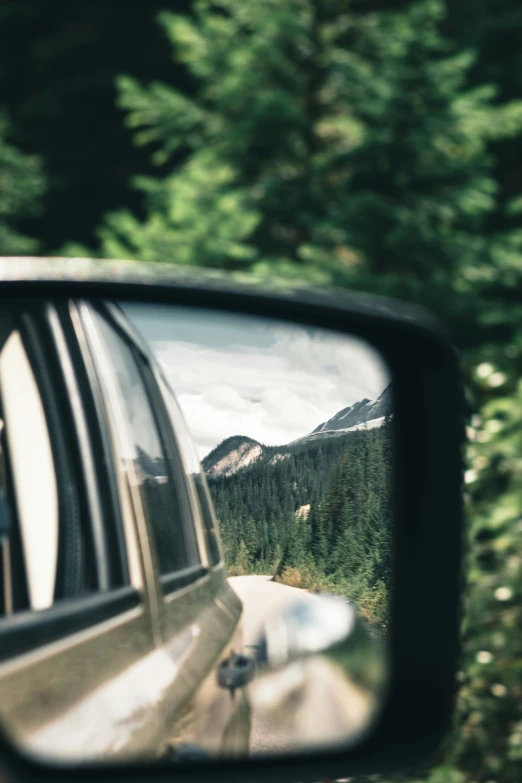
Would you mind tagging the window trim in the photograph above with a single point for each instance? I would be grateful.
(40, 350)
(88, 469)
(105, 461)
(160, 382)
(174, 582)
(134, 523)
(171, 444)
(219, 563)
(27, 631)
(169, 583)
(181, 479)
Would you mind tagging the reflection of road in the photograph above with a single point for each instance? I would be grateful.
(307, 703)
(261, 597)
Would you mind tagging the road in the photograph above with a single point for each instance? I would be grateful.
(306, 704)
(261, 597)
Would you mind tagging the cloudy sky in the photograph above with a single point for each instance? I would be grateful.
(241, 375)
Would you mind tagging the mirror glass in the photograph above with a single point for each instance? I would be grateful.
(196, 513)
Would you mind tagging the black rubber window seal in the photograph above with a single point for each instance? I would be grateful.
(27, 631)
(176, 581)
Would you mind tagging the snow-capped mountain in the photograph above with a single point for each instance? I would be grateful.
(238, 452)
(360, 412)
(363, 415)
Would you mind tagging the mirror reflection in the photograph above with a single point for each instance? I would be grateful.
(196, 533)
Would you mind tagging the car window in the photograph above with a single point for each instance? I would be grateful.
(142, 454)
(45, 554)
(33, 471)
(193, 470)
(99, 481)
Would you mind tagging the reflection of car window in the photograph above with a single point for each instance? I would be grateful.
(33, 471)
(192, 467)
(45, 554)
(142, 446)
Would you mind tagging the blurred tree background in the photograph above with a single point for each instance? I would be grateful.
(373, 144)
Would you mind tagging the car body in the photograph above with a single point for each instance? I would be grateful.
(116, 610)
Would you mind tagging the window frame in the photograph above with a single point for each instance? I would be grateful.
(29, 630)
(164, 388)
(84, 447)
(175, 580)
(93, 412)
(169, 584)
(157, 380)
(64, 447)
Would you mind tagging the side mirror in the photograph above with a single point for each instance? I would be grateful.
(316, 650)
(315, 624)
(158, 602)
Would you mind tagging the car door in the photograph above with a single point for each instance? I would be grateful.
(213, 707)
(78, 661)
(196, 614)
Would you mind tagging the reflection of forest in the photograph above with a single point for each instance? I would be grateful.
(163, 511)
(319, 519)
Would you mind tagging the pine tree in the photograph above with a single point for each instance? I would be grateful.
(243, 558)
(305, 133)
(347, 532)
(251, 538)
(22, 186)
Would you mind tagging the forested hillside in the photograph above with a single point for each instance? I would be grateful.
(317, 515)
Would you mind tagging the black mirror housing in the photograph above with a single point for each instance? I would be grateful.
(429, 429)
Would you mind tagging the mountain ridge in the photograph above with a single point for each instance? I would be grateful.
(232, 454)
(239, 451)
(360, 412)
(364, 414)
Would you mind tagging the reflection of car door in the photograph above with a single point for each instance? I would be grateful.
(213, 709)
(196, 613)
(76, 641)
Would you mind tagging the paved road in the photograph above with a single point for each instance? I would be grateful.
(308, 703)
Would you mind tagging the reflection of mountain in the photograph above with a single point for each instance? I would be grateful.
(315, 513)
(232, 455)
(238, 452)
(365, 414)
(363, 411)
(151, 468)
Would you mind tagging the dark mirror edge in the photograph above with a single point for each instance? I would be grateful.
(424, 366)
(162, 280)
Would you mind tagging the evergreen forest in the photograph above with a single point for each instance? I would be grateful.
(317, 515)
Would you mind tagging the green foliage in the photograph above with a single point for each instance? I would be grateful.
(197, 216)
(323, 141)
(421, 172)
(57, 83)
(315, 515)
(309, 126)
(488, 740)
(380, 150)
(21, 190)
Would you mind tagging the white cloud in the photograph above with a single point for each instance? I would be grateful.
(274, 394)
